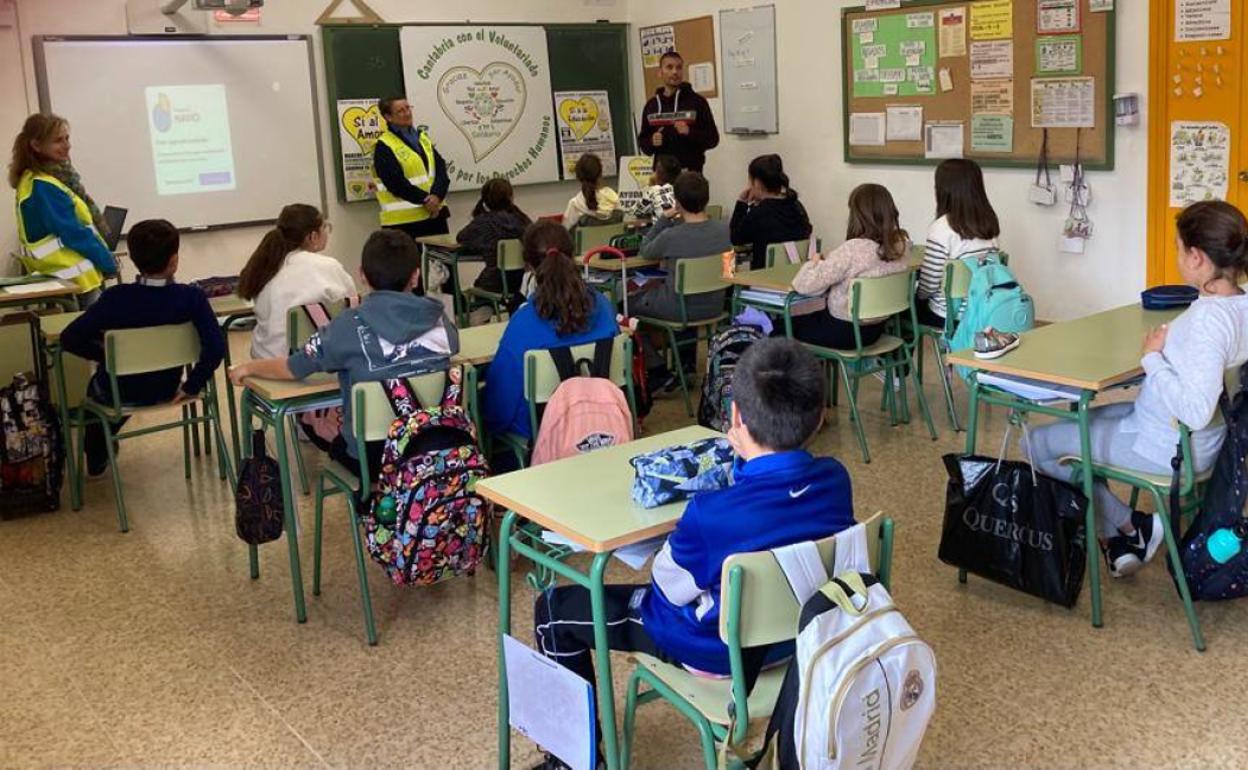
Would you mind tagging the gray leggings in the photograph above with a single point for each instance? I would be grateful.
(1111, 445)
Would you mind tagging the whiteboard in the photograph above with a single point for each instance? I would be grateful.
(204, 132)
(747, 40)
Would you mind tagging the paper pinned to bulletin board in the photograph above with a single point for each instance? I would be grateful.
(694, 39)
(897, 50)
(1200, 161)
(584, 127)
(360, 125)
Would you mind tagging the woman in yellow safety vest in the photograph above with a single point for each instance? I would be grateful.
(56, 224)
(410, 175)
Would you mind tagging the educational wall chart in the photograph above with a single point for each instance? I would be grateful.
(484, 93)
(584, 127)
(1063, 103)
(1059, 55)
(952, 23)
(360, 125)
(1200, 161)
(895, 55)
(1057, 17)
(1202, 20)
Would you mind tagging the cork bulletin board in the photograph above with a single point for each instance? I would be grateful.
(694, 39)
(922, 54)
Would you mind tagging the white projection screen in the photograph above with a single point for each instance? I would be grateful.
(205, 132)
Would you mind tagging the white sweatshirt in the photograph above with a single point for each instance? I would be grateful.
(608, 201)
(305, 277)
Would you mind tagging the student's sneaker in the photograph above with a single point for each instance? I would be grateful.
(1148, 536)
(1120, 557)
(896, 380)
(991, 343)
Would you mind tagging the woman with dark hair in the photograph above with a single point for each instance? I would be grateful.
(595, 204)
(767, 211)
(58, 225)
(965, 225)
(561, 312)
(495, 218)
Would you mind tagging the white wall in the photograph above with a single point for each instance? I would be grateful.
(1111, 272)
(224, 252)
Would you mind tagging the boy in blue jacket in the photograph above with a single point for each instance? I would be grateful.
(780, 495)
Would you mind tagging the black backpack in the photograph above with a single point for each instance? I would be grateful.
(32, 456)
(258, 502)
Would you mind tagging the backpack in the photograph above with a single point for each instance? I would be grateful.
(258, 501)
(862, 687)
(1221, 508)
(995, 299)
(587, 411)
(32, 456)
(218, 285)
(426, 521)
(726, 347)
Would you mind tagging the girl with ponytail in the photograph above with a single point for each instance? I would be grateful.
(767, 211)
(595, 204)
(1184, 363)
(286, 270)
(561, 311)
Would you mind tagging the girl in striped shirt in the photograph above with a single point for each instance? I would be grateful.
(965, 225)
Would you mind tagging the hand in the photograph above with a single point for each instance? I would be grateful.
(682, 128)
(657, 139)
(815, 257)
(433, 204)
(181, 397)
(747, 195)
(1155, 340)
(239, 372)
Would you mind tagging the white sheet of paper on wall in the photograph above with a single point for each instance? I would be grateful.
(946, 79)
(749, 85)
(702, 76)
(882, 5)
(866, 38)
(870, 62)
(1198, 92)
(913, 60)
(864, 25)
(890, 89)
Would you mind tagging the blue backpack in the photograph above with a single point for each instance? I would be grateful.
(994, 299)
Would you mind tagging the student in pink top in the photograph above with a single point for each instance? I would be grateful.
(875, 245)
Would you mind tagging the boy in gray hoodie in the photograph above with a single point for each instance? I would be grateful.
(393, 333)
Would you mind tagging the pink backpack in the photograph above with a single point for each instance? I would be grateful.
(587, 410)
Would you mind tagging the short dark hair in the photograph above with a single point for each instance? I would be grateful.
(387, 105)
(666, 168)
(692, 191)
(1221, 231)
(778, 388)
(670, 54)
(152, 243)
(389, 260)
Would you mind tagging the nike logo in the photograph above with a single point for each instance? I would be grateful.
(796, 493)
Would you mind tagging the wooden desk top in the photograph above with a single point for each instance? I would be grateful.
(1094, 353)
(231, 305)
(597, 262)
(478, 344)
(438, 241)
(588, 498)
(14, 293)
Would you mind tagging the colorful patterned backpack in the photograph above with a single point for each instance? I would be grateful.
(715, 407)
(426, 522)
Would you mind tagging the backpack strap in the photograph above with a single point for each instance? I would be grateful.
(813, 248)
(847, 591)
(453, 394)
(564, 364)
(790, 251)
(803, 569)
(352, 300)
(318, 314)
(602, 358)
(401, 395)
(852, 551)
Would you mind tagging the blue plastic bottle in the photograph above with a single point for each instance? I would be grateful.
(1226, 543)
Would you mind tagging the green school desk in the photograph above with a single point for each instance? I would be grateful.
(65, 295)
(231, 310)
(587, 499)
(445, 250)
(1093, 354)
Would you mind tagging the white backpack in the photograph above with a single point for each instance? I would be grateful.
(862, 687)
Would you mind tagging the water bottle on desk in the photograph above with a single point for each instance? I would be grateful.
(1226, 543)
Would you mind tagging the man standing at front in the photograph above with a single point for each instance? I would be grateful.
(410, 175)
(677, 120)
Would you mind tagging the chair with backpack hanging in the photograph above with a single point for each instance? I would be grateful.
(994, 299)
(792, 252)
(509, 258)
(760, 609)
(723, 351)
(429, 468)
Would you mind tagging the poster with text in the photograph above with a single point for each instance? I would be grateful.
(584, 127)
(189, 127)
(1202, 20)
(634, 176)
(1200, 162)
(1063, 103)
(656, 41)
(484, 93)
(360, 125)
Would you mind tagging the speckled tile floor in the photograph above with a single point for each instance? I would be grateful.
(153, 647)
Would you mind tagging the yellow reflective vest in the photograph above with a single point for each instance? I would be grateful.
(396, 210)
(48, 255)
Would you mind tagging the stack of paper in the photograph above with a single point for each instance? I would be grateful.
(1032, 390)
(635, 555)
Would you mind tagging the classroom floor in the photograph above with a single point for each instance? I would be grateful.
(154, 648)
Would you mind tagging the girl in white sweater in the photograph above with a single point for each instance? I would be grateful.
(1184, 364)
(288, 271)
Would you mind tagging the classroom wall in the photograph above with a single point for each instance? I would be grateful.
(224, 252)
(1111, 271)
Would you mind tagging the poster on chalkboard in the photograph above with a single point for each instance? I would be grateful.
(584, 127)
(484, 93)
(360, 125)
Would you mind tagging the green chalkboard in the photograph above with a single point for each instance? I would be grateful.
(365, 62)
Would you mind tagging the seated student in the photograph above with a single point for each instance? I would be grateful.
(1184, 364)
(965, 225)
(495, 218)
(154, 299)
(595, 204)
(562, 311)
(394, 333)
(875, 245)
(768, 211)
(287, 271)
(658, 199)
(781, 495)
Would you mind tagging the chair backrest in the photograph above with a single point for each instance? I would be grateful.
(769, 610)
(592, 236)
(150, 349)
(17, 349)
(541, 378)
(715, 210)
(777, 253)
(957, 280)
(299, 327)
(510, 254)
(698, 275)
(881, 297)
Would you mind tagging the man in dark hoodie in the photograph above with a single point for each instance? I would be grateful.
(677, 120)
(393, 333)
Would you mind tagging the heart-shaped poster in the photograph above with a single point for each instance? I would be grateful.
(365, 126)
(640, 168)
(579, 114)
(485, 105)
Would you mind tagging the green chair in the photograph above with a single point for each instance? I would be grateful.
(777, 254)
(140, 351)
(957, 283)
(757, 608)
(588, 237)
(694, 275)
(510, 257)
(372, 417)
(1158, 485)
(891, 297)
(715, 211)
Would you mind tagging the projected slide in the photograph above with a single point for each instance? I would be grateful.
(190, 131)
